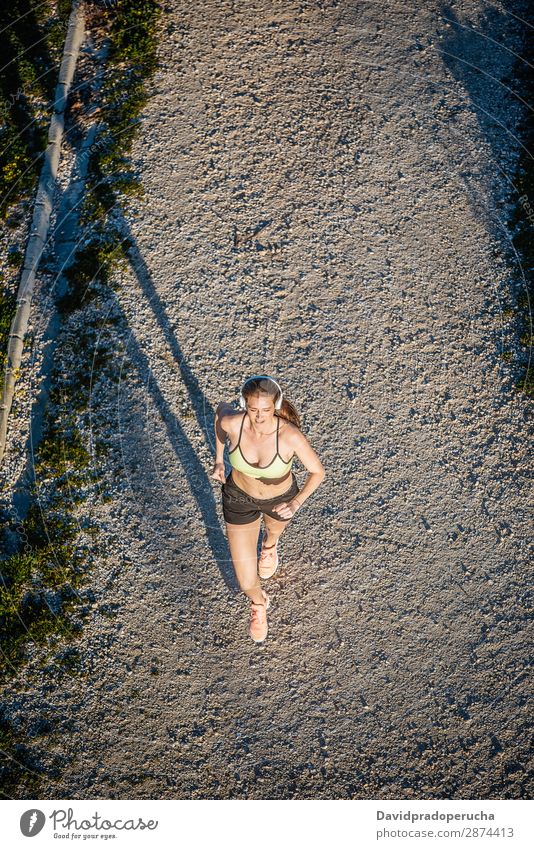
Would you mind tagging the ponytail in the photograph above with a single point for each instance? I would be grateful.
(289, 412)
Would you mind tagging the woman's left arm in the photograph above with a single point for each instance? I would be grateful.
(316, 470)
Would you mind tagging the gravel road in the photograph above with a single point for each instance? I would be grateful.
(327, 186)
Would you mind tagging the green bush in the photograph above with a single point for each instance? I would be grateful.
(8, 303)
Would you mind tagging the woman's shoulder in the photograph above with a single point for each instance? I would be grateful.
(229, 416)
(290, 433)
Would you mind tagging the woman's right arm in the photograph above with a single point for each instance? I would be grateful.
(220, 439)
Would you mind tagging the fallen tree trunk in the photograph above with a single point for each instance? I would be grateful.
(41, 215)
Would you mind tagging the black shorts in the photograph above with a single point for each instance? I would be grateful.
(240, 508)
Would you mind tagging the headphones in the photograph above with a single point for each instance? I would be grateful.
(277, 403)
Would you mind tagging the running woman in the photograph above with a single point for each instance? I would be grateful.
(260, 436)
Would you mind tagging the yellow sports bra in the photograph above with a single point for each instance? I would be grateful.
(277, 468)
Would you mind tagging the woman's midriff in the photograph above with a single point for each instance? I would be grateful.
(257, 488)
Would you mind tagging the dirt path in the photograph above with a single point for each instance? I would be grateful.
(343, 140)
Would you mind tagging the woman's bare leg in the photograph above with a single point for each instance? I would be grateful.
(243, 542)
(274, 528)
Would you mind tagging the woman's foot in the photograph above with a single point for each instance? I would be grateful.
(258, 620)
(268, 560)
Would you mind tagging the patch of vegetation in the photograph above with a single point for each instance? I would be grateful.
(15, 258)
(93, 264)
(131, 27)
(62, 450)
(38, 583)
(8, 304)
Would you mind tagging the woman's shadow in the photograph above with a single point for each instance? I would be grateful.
(196, 474)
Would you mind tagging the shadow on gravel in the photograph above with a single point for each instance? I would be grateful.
(482, 55)
(200, 485)
(472, 52)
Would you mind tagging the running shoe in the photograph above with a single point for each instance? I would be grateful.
(268, 560)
